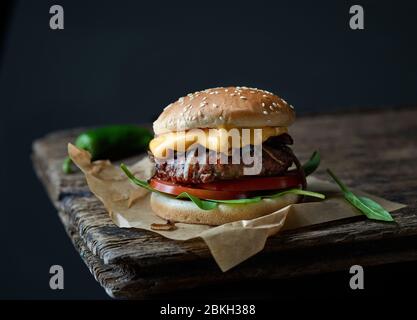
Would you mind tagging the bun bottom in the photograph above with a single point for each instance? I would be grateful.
(186, 211)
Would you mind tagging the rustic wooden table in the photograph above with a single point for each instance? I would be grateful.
(375, 151)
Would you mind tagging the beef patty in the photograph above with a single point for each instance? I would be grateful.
(277, 157)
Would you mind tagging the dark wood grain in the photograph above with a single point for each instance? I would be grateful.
(373, 151)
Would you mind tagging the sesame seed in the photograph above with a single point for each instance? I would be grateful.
(265, 112)
(263, 104)
(221, 118)
(226, 90)
(291, 106)
(271, 107)
(243, 97)
(181, 100)
(284, 101)
(274, 104)
(264, 95)
(211, 92)
(204, 98)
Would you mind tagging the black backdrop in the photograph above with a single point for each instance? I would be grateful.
(123, 61)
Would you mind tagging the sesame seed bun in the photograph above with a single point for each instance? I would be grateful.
(232, 107)
(177, 210)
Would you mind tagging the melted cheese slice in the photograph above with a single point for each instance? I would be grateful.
(220, 140)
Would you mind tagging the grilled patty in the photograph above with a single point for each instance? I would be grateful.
(277, 157)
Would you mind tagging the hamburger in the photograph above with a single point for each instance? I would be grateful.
(198, 178)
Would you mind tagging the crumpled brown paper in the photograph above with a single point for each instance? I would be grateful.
(231, 243)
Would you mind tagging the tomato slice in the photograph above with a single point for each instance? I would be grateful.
(233, 189)
(255, 184)
(176, 189)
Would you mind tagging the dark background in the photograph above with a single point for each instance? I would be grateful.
(123, 61)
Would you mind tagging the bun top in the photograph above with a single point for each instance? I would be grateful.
(231, 107)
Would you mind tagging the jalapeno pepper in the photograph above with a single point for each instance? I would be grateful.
(111, 142)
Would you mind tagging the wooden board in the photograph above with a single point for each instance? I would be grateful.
(374, 151)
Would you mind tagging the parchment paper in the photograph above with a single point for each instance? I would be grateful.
(231, 243)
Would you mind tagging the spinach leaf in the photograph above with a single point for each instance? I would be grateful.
(202, 204)
(239, 201)
(210, 204)
(140, 183)
(300, 192)
(312, 164)
(367, 206)
(276, 195)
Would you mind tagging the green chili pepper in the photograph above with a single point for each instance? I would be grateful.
(111, 142)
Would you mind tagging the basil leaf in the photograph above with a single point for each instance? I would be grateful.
(298, 191)
(367, 206)
(312, 164)
(202, 204)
